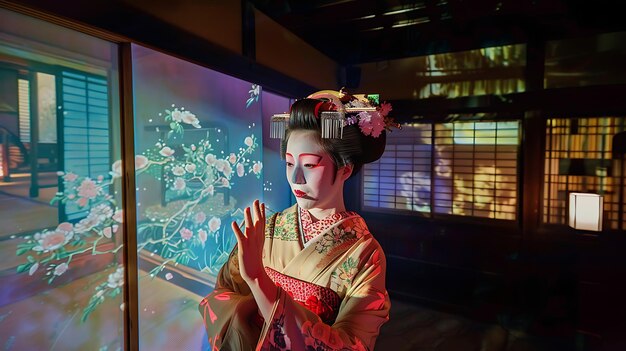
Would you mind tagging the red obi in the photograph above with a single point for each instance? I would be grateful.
(316, 298)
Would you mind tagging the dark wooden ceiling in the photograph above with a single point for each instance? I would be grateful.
(358, 31)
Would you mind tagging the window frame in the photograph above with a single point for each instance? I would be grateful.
(564, 229)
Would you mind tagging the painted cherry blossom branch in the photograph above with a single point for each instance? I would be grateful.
(51, 247)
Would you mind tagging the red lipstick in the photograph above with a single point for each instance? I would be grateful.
(299, 193)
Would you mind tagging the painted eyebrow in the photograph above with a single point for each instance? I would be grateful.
(319, 157)
(304, 155)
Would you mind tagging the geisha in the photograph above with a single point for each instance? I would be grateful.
(311, 277)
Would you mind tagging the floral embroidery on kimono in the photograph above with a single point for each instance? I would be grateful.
(342, 277)
(331, 292)
(285, 227)
(311, 229)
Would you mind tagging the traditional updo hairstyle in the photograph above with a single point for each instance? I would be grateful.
(354, 148)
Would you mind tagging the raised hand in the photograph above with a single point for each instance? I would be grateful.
(250, 243)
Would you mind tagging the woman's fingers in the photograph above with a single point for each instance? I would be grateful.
(252, 225)
(257, 212)
(250, 241)
(238, 233)
(248, 218)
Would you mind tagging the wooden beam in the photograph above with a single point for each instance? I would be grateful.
(133, 25)
(555, 103)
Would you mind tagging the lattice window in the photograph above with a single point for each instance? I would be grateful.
(86, 146)
(578, 158)
(472, 167)
(23, 98)
(401, 179)
(476, 169)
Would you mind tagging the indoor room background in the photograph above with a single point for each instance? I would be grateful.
(127, 147)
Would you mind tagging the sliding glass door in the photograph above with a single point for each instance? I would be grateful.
(200, 157)
(61, 271)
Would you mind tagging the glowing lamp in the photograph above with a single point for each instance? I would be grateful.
(585, 211)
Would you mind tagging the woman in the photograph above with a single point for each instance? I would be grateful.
(311, 277)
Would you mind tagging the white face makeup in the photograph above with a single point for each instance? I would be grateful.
(313, 177)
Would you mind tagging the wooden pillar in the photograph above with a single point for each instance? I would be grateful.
(533, 144)
(248, 33)
(129, 200)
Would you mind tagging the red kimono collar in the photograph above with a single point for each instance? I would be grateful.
(312, 229)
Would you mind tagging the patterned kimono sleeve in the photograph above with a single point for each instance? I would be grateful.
(364, 309)
(230, 313)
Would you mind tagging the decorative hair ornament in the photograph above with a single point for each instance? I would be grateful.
(278, 125)
(340, 109)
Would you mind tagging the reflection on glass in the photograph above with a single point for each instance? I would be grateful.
(401, 179)
(476, 169)
(495, 70)
(24, 110)
(595, 60)
(465, 73)
(199, 162)
(277, 193)
(485, 133)
(470, 171)
(61, 275)
(46, 107)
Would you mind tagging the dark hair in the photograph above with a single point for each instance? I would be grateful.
(354, 148)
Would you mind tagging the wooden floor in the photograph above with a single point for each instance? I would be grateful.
(22, 213)
(169, 318)
(51, 318)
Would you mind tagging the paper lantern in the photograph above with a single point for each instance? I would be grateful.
(585, 211)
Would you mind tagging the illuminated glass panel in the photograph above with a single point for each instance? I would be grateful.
(401, 179)
(199, 162)
(476, 169)
(61, 282)
(579, 158)
(495, 70)
(472, 169)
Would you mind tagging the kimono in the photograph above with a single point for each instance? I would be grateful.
(330, 276)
